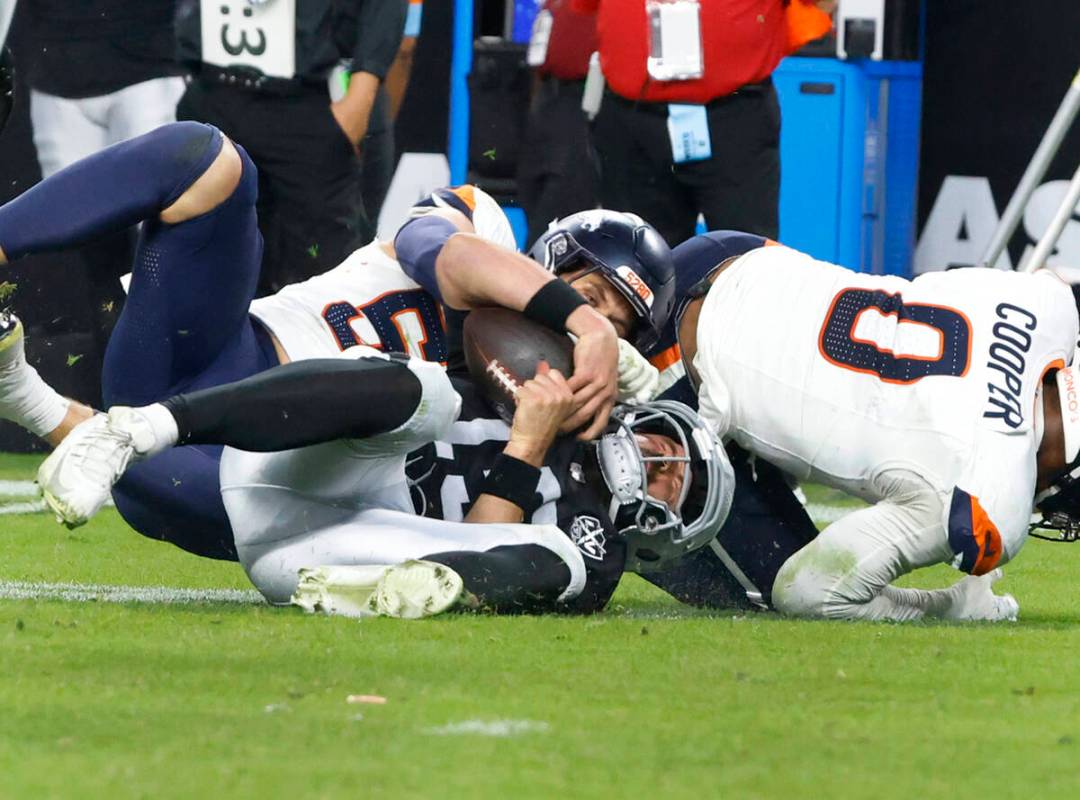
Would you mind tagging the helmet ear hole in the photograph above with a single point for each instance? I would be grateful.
(645, 554)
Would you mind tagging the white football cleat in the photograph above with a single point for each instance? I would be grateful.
(77, 478)
(12, 342)
(410, 590)
(975, 600)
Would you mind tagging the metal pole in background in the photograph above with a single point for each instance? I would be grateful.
(460, 66)
(1057, 225)
(1044, 154)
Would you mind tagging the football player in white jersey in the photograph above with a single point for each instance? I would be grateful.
(189, 321)
(946, 402)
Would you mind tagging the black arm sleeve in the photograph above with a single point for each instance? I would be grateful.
(299, 404)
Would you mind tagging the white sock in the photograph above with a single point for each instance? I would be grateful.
(27, 400)
(152, 427)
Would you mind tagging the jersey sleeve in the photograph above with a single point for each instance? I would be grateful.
(988, 512)
(487, 217)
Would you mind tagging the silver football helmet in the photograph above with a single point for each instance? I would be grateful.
(658, 532)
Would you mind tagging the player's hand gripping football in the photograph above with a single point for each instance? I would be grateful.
(543, 404)
(596, 372)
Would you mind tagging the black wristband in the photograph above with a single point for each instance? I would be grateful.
(514, 481)
(553, 303)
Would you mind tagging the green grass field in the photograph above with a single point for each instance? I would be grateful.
(230, 698)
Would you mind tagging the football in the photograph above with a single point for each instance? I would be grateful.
(503, 349)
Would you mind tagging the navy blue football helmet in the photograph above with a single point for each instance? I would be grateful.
(626, 250)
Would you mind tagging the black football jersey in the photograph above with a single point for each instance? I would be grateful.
(447, 477)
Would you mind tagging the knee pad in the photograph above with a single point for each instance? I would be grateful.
(438, 409)
(799, 589)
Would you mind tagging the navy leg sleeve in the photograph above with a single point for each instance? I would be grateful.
(185, 324)
(109, 191)
(175, 497)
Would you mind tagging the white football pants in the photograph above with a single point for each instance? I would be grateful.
(846, 571)
(66, 130)
(347, 503)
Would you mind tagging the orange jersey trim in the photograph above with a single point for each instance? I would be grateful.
(467, 195)
(667, 358)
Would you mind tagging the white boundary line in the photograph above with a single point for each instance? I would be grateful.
(18, 488)
(88, 592)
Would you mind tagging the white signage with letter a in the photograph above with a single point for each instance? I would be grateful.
(417, 175)
(963, 219)
(238, 33)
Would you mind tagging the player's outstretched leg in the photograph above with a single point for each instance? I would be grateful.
(846, 572)
(370, 399)
(109, 191)
(96, 196)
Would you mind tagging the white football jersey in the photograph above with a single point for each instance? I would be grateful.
(365, 300)
(369, 300)
(837, 376)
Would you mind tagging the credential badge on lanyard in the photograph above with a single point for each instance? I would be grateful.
(260, 34)
(536, 55)
(674, 40)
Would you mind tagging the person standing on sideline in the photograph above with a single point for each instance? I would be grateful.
(690, 121)
(264, 72)
(556, 178)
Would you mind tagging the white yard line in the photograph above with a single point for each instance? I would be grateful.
(18, 489)
(81, 593)
(499, 728)
(27, 507)
(88, 592)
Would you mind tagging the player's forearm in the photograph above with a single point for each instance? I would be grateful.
(510, 488)
(473, 272)
(489, 508)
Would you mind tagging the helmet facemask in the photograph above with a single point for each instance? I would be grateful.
(657, 531)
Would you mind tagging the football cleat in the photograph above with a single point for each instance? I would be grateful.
(416, 589)
(12, 342)
(975, 600)
(77, 478)
(411, 590)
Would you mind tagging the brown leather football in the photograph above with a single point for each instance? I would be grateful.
(503, 349)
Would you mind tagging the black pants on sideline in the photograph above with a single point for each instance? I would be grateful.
(557, 176)
(378, 157)
(737, 189)
(310, 210)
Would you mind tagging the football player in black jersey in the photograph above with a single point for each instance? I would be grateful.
(379, 485)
